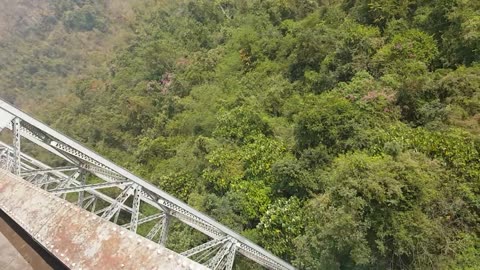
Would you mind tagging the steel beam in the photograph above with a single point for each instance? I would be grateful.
(145, 220)
(165, 228)
(217, 259)
(94, 205)
(115, 207)
(135, 208)
(231, 256)
(26, 173)
(201, 248)
(56, 177)
(17, 154)
(77, 155)
(102, 171)
(90, 187)
(83, 181)
(89, 202)
(156, 228)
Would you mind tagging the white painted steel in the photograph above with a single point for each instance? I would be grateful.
(84, 158)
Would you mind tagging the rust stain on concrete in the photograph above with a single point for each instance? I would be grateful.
(78, 238)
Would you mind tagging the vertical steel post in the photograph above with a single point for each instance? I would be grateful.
(94, 205)
(4, 159)
(83, 182)
(117, 214)
(151, 234)
(164, 232)
(214, 262)
(17, 166)
(231, 256)
(135, 208)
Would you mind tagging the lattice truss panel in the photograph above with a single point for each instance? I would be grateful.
(104, 188)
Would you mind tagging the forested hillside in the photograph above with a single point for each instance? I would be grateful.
(340, 134)
(48, 44)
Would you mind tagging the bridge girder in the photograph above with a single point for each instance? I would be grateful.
(71, 179)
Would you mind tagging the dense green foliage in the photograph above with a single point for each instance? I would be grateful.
(337, 134)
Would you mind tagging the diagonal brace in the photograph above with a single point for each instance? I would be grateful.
(114, 207)
(90, 187)
(205, 246)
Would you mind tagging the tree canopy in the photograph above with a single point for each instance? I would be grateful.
(337, 134)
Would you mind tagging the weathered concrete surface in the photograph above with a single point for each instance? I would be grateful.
(78, 238)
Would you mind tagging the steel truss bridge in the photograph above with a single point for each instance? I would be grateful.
(88, 182)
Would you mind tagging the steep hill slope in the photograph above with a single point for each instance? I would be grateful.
(17, 16)
(338, 134)
(45, 45)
